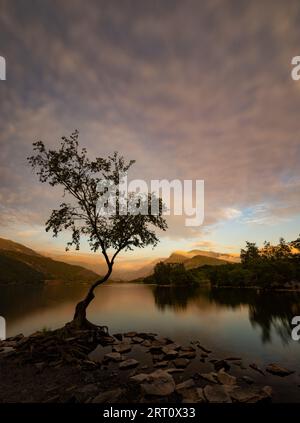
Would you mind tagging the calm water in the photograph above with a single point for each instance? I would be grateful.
(253, 325)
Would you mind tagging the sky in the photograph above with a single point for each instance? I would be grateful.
(189, 89)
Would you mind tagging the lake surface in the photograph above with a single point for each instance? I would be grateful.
(253, 325)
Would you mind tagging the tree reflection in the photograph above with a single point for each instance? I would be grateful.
(270, 311)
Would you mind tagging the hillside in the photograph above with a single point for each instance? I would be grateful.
(198, 261)
(13, 271)
(193, 261)
(8, 245)
(232, 258)
(16, 266)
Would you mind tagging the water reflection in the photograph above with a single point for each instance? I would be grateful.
(28, 308)
(175, 298)
(267, 310)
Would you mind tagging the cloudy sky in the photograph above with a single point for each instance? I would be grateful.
(190, 89)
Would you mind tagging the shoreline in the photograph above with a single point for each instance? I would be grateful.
(91, 366)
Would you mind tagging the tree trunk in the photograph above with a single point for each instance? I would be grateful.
(79, 320)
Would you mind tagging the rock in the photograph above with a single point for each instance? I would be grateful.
(277, 370)
(181, 362)
(204, 355)
(157, 357)
(40, 366)
(221, 364)
(248, 380)
(163, 341)
(158, 383)
(147, 335)
(206, 350)
(113, 356)
(172, 370)
(267, 390)
(137, 340)
(190, 383)
(16, 338)
(130, 334)
(250, 394)
(187, 349)
(255, 367)
(122, 348)
(187, 354)
(91, 388)
(169, 353)
(216, 394)
(146, 343)
(161, 364)
(154, 349)
(210, 377)
(140, 378)
(233, 359)
(118, 336)
(226, 379)
(128, 364)
(96, 354)
(9, 343)
(173, 346)
(54, 399)
(108, 396)
(6, 350)
(192, 395)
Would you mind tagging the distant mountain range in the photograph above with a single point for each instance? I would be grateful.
(197, 258)
(191, 259)
(22, 265)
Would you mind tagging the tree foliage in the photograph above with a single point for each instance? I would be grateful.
(86, 210)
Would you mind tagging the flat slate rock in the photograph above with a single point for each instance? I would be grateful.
(190, 383)
(255, 367)
(128, 364)
(140, 378)
(277, 370)
(210, 377)
(181, 362)
(192, 395)
(225, 378)
(113, 356)
(216, 394)
(122, 348)
(158, 383)
(187, 354)
(250, 394)
(163, 363)
(108, 396)
(221, 364)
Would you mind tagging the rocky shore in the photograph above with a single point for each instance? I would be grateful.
(94, 367)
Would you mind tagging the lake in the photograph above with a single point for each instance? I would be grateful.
(251, 324)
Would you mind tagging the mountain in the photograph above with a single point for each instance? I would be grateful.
(8, 245)
(14, 271)
(19, 264)
(231, 258)
(198, 261)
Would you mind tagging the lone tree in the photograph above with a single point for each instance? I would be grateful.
(84, 181)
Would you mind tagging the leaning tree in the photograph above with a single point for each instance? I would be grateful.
(89, 213)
